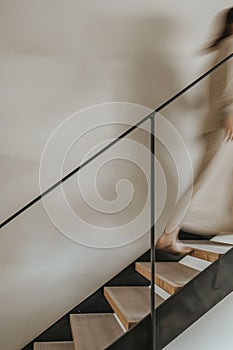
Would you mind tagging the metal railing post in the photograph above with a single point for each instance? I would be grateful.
(152, 228)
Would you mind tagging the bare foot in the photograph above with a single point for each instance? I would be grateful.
(176, 248)
(169, 242)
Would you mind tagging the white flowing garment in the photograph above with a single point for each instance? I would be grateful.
(211, 206)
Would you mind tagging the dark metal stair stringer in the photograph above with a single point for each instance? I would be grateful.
(184, 308)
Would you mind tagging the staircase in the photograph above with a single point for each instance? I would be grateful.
(119, 316)
(131, 304)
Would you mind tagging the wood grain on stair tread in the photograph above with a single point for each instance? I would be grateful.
(208, 250)
(170, 276)
(54, 346)
(94, 331)
(130, 304)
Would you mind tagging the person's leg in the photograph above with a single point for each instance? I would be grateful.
(169, 242)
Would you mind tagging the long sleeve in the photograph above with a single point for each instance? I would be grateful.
(220, 104)
(224, 101)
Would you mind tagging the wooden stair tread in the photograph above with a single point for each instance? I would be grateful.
(94, 331)
(207, 250)
(170, 276)
(67, 345)
(195, 263)
(210, 246)
(130, 304)
(223, 238)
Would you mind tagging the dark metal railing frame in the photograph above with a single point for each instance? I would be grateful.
(178, 312)
(150, 117)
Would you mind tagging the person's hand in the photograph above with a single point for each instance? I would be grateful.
(228, 125)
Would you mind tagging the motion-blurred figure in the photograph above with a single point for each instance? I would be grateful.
(211, 206)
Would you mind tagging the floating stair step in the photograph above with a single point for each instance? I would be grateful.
(207, 250)
(130, 304)
(170, 276)
(94, 331)
(223, 238)
(195, 263)
(63, 345)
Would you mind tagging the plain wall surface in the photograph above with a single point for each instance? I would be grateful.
(57, 57)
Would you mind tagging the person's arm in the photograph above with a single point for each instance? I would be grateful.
(228, 125)
(225, 102)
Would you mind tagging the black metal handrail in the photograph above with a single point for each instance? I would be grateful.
(150, 117)
(123, 135)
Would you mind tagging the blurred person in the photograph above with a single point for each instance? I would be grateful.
(211, 207)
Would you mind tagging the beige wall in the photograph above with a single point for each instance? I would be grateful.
(57, 57)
